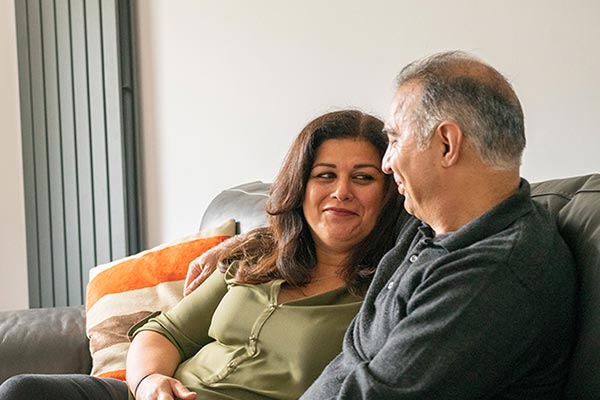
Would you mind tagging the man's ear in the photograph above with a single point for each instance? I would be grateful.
(451, 137)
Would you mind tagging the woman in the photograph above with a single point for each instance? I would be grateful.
(267, 323)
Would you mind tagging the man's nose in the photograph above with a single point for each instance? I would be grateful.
(386, 165)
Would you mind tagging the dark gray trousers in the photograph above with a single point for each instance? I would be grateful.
(63, 387)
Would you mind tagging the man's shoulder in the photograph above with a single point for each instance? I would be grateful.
(535, 252)
(520, 239)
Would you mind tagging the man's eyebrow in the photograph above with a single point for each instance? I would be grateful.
(388, 132)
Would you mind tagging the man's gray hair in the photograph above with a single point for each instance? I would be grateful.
(458, 87)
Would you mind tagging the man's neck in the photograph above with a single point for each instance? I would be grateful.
(473, 196)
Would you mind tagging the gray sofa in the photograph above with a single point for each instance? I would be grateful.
(54, 340)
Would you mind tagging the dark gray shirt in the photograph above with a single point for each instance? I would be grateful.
(486, 312)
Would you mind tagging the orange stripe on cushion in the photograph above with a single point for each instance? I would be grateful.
(119, 374)
(147, 270)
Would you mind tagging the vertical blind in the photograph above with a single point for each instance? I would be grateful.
(79, 142)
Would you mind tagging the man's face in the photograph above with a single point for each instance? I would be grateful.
(413, 169)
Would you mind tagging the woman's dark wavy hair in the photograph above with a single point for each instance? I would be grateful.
(285, 249)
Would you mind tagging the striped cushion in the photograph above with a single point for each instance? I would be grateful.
(124, 291)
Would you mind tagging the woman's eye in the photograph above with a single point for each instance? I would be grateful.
(325, 175)
(363, 177)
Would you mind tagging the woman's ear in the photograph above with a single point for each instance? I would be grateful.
(450, 136)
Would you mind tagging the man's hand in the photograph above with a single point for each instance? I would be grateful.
(200, 269)
(157, 386)
(206, 264)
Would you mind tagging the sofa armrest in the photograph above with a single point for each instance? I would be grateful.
(46, 340)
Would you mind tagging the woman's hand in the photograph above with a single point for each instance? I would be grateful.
(200, 269)
(157, 386)
(151, 361)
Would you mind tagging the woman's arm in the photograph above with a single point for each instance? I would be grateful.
(151, 363)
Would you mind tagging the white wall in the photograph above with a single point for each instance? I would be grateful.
(13, 267)
(226, 85)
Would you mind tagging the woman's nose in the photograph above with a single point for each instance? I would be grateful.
(342, 190)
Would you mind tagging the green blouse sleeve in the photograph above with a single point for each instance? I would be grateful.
(187, 324)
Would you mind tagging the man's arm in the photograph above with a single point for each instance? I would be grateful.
(462, 337)
(204, 265)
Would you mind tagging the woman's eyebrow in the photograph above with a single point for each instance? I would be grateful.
(357, 166)
(324, 165)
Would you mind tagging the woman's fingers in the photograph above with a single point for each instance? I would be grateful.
(180, 391)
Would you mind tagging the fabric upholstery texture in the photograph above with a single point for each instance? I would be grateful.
(124, 291)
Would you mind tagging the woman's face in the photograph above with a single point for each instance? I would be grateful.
(344, 193)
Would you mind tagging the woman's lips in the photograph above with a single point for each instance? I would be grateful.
(340, 211)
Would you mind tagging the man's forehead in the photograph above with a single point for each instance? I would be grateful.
(390, 126)
(406, 95)
(403, 101)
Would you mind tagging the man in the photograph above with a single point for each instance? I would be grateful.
(476, 301)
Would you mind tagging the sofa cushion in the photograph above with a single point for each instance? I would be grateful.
(124, 291)
(575, 203)
(43, 340)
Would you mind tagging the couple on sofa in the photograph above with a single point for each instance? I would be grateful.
(474, 297)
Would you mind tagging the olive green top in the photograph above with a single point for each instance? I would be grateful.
(237, 342)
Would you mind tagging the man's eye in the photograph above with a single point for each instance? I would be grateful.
(395, 145)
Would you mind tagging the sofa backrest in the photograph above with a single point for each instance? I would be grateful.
(245, 203)
(575, 203)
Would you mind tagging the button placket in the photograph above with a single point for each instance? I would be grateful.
(252, 344)
(252, 347)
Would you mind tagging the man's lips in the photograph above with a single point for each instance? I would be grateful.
(339, 211)
(400, 185)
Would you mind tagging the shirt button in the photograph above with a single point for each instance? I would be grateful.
(390, 285)
(413, 258)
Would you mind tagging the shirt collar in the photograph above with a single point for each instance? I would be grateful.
(489, 223)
